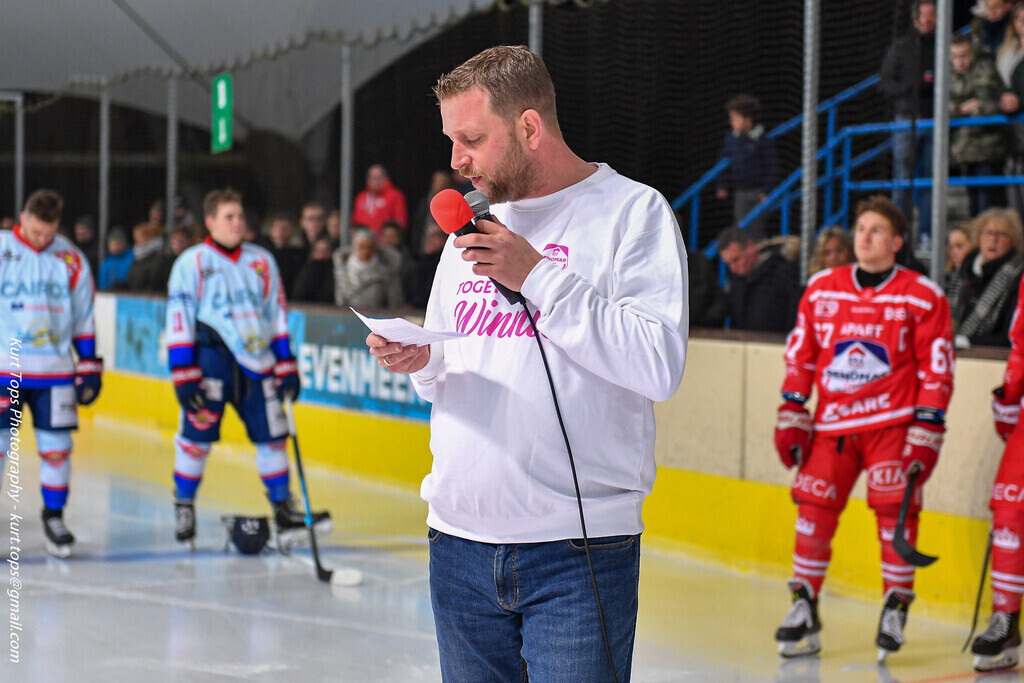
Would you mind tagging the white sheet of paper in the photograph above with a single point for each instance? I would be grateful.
(404, 332)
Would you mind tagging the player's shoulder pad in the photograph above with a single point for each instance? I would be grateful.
(929, 284)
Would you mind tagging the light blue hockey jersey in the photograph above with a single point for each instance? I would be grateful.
(46, 300)
(238, 294)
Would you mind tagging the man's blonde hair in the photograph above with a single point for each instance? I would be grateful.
(514, 78)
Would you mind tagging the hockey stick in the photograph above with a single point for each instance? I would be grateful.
(341, 577)
(899, 541)
(981, 588)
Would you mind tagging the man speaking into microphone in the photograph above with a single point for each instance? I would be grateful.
(536, 488)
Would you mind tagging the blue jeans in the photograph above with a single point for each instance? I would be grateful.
(910, 160)
(503, 612)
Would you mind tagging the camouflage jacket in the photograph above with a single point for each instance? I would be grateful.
(977, 144)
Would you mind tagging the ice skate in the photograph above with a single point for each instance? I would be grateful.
(892, 621)
(798, 634)
(58, 539)
(996, 648)
(291, 524)
(185, 523)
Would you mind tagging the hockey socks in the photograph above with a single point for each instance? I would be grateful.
(897, 573)
(1007, 559)
(189, 463)
(55, 468)
(815, 527)
(272, 464)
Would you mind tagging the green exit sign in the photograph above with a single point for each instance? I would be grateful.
(220, 121)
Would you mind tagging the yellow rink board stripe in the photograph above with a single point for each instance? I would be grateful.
(742, 524)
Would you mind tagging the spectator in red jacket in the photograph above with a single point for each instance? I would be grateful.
(379, 202)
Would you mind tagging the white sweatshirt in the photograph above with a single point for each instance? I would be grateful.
(610, 303)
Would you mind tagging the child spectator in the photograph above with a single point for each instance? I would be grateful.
(753, 170)
(114, 269)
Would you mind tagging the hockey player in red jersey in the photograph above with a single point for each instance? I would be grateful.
(875, 339)
(996, 648)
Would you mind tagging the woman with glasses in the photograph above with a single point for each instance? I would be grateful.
(983, 291)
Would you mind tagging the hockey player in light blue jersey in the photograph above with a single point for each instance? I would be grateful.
(227, 339)
(46, 301)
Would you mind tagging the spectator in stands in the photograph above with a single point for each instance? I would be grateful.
(959, 243)
(907, 80)
(834, 247)
(315, 281)
(113, 271)
(156, 212)
(183, 217)
(753, 170)
(990, 28)
(975, 89)
(439, 180)
(287, 249)
(422, 278)
(334, 228)
(313, 221)
(764, 286)
(379, 202)
(1010, 64)
(983, 293)
(363, 278)
(392, 238)
(709, 305)
(179, 240)
(84, 235)
(7, 223)
(152, 265)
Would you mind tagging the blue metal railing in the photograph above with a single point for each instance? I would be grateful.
(830, 107)
(841, 175)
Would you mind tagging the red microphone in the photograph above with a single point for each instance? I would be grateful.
(453, 213)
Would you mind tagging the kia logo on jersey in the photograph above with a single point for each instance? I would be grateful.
(855, 363)
(557, 254)
(1005, 539)
(886, 476)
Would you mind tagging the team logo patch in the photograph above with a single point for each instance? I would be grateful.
(202, 419)
(557, 254)
(856, 362)
(262, 269)
(886, 476)
(1005, 539)
(825, 308)
(805, 526)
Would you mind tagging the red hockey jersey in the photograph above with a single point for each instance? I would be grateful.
(874, 353)
(1013, 380)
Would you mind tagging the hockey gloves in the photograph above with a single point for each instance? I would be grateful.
(924, 441)
(1005, 413)
(88, 380)
(793, 432)
(287, 374)
(188, 387)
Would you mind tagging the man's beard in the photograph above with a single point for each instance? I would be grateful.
(513, 178)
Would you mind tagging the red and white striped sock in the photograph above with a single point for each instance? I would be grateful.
(815, 527)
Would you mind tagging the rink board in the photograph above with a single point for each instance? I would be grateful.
(742, 524)
(720, 493)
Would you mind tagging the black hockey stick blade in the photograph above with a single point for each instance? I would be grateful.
(981, 588)
(321, 573)
(899, 541)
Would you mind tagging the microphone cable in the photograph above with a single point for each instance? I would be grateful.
(579, 498)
